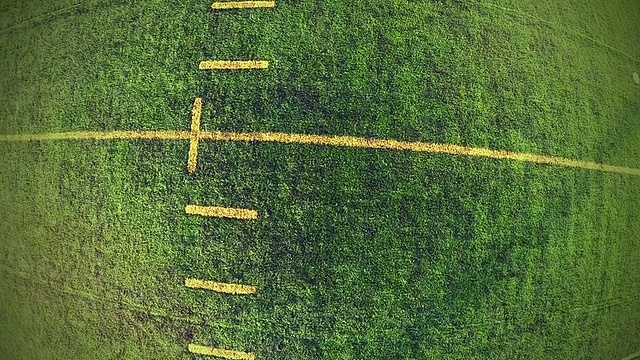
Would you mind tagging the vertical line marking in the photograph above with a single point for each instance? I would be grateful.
(234, 289)
(222, 353)
(196, 113)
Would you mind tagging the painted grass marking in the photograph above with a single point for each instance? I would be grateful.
(235, 289)
(100, 135)
(233, 64)
(326, 140)
(222, 353)
(196, 113)
(242, 5)
(215, 211)
(416, 146)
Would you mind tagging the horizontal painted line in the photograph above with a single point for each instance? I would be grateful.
(101, 135)
(216, 211)
(224, 5)
(416, 146)
(327, 140)
(221, 353)
(233, 64)
(235, 289)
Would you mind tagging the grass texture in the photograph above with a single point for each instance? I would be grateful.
(356, 253)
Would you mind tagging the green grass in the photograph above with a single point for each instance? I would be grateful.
(357, 254)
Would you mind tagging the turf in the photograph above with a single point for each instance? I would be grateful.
(356, 253)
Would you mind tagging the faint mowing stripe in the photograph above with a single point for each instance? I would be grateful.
(234, 289)
(632, 356)
(233, 64)
(215, 211)
(40, 18)
(221, 353)
(564, 29)
(242, 5)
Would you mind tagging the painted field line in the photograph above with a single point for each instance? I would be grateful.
(235, 289)
(221, 353)
(196, 113)
(416, 146)
(233, 64)
(327, 140)
(100, 135)
(216, 211)
(224, 5)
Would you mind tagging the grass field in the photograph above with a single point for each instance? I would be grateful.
(355, 253)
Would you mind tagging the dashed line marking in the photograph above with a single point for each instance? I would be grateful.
(219, 5)
(223, 212)
(234, 289)
(222, 353)
(327, 140)
(233, 64)
(196, 113)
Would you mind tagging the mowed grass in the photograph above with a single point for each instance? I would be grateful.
(356, 254)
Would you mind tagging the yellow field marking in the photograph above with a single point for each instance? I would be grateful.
(417, 146)
(327, 140)
(233, 64)
(196, 113)
(100, 135)
(242, 4)
(215, 211)
(235, 289)
(222, 353)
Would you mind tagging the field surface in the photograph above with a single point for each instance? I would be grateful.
(353, 252)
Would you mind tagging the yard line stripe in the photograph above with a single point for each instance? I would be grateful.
(327, 140)
(242, 4)
(233, 64)
(100, 135)
(215, 211)
(416, 146)
(235, 289)
(196, 113)
(222, 353)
